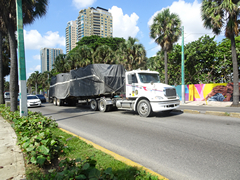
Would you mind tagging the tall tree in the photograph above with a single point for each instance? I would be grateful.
(31, 11)
(60, 64)
(166, 30)
(223, 14)
(36, 79)
(103, 54)
(131, 54)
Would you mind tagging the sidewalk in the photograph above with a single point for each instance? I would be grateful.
(207, 103)
(11, 157)
(216, 108)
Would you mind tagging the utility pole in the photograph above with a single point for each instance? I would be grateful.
(21, 61)
(183, 84)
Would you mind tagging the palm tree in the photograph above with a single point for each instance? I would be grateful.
(31, 11)
(85, 55)
(166, 30)
(60, 64)
(217, 14)
(103, 54)
(35, 77)
(131, 54)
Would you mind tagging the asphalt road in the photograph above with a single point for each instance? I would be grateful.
(179, 146)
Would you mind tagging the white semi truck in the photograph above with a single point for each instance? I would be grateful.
(107, 87)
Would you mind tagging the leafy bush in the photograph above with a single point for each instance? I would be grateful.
(35, 137)
(79, 169)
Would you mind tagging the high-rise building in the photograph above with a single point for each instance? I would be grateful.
(48, 56)
(71, 35)
(94, 21)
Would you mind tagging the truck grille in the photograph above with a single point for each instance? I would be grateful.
(170, 93)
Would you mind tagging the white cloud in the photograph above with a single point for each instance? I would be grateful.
(36, 57)
(82, 3)
(34, 40)
(124, 25)
(38, 68)
(190, 15)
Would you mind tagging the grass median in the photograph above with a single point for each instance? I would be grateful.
(73, 158)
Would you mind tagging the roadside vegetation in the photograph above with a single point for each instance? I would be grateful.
(51, 153)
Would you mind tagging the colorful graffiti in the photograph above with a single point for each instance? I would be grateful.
(207, 92)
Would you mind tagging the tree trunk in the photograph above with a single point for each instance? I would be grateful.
(14, 69)
(235, 73)
(166, 69)
(1, 73)
(36, 91)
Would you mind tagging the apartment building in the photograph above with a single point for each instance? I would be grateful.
(48, 56)
(94, 21)
(71, 35)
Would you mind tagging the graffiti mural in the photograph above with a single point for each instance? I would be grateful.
(207, 92)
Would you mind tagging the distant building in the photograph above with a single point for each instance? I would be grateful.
(94, 21)
(71, 35)
(48, 56)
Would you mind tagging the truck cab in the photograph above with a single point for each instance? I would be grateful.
(148, 94)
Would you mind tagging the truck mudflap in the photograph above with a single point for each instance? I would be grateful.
(158, 106)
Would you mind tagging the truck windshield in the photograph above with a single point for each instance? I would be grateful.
(149, 77)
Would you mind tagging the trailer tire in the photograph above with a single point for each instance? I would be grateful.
(54, 101)
(59, 102)
(144, 108)
(94, 105)
(102, 105)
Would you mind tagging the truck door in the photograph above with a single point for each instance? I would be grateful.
(132, 86)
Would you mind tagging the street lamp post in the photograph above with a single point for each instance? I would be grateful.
(183, 84)
(21, 61)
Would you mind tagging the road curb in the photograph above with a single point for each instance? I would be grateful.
(117, 156)
(191, 111)
(216, 113)
(236, 115)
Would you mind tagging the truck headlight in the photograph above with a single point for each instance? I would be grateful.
(158, 98)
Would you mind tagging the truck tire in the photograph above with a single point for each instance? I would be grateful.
(59, 102)
(94, 104)
(102, 105)
(144, 108)
(55, 101)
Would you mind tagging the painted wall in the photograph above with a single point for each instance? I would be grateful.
(209, 92)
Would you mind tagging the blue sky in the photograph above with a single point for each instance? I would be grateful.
(130, 18)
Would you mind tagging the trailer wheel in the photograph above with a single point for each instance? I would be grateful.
(144, 108)
(102, 105)
(55, 101)
(59, 102)
(94, 104)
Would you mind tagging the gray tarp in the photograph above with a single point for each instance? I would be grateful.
(92, 80)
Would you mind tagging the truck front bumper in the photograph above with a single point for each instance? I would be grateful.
(158, 106)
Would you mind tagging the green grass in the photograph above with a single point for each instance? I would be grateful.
(76, 148)
(80, 149)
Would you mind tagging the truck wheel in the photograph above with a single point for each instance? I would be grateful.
(59, 102)
(102, 105)
(50, 100)
(94, 105)
(55, 101)
(144, 108)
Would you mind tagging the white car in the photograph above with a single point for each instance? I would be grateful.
(33, 101)
(7, 95)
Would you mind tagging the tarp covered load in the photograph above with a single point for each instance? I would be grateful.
(92, 80)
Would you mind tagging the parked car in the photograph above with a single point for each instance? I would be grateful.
(41, 97)
(33, 101)
(7, 95)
